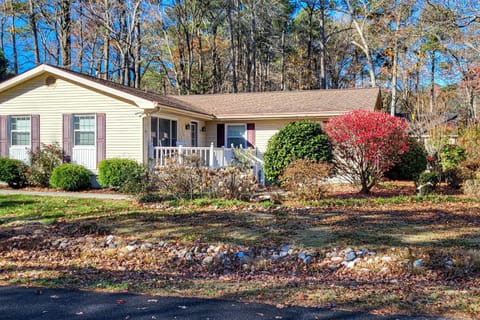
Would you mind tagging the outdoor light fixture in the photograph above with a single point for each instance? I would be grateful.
(204, 129)
(187, 126)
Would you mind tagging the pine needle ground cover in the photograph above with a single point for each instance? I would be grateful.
(385, 255)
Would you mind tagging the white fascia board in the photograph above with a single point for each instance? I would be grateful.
(141, 103)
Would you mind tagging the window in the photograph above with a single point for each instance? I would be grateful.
(84, 130)
(194, 134)
(20, 127)
(236, 135)
(164, 132)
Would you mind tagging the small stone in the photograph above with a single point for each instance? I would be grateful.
(63, 245)
(308, 260)
(350, 256)
(146, 246)
(386, 259)
(302, 256)
(285, 248)
(109, 239)
(189, 256)
(112, 245)
(372, 253)
(333, 267)
(418, 263)
(351, 264)
(207, 260)
(283, 254)
(131, 248)
(311, 253)
(336, 259)
(274, 257)
(348, 250)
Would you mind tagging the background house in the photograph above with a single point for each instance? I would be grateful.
(93, 119)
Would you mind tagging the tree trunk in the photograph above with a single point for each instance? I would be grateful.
(432, 80)
(283, 76)
(66, 33)
(33, 24)
(323, 50)
(14, 45)
(138, 49)
(232, 48)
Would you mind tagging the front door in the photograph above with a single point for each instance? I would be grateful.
(194, 133)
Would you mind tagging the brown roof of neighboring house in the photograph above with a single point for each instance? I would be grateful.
(285, 103)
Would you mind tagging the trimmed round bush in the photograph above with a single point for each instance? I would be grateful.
(116, 173)
(70, 177)
(411, 164)
(297, 140)
(13, 172)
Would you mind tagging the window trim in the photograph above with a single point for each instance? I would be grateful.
(244, 145)
(74, 145)
(158, 124)
(11, 131)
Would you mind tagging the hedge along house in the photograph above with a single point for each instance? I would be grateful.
(94, 119)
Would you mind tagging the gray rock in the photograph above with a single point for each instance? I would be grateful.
(274, 257)
(333, 267)
(131, 248)
(418, 263)
(283, 254)
(308, 260)
(350, 256)
(302, 256)
(109, 239)
(207, 260)
(351, 264)
(311, 253)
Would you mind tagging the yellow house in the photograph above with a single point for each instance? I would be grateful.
(94, 119)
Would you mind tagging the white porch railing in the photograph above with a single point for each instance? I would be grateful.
(211, 157)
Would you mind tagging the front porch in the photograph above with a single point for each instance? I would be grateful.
(211, 157)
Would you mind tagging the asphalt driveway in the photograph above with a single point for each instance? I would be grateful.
(54, 304)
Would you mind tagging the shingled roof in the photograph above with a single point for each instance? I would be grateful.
(285, 103)
(278, 104)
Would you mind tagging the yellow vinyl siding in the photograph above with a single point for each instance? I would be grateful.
(123, 124)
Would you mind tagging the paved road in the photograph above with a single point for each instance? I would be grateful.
(54, 304)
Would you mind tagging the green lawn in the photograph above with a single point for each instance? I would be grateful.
(435, 229)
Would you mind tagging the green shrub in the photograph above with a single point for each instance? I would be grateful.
(13, 172)
(70, 177)
(304, 178)
(121, 174)
(297, 140)
(429, 177)
(451, 156)
(42, 163)
(411, 164)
